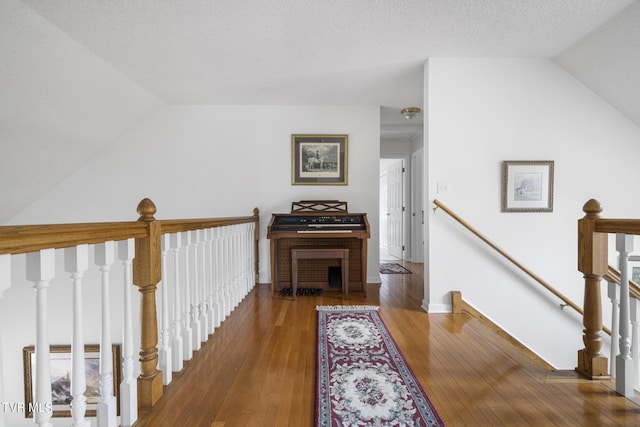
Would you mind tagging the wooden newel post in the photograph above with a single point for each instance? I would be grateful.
(593, 263)
(147, 275)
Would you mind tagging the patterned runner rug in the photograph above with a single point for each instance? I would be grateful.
(363, 379)
(393, 268)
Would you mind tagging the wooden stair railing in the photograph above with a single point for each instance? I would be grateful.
(593, 257)
(593, 263)
(147, 232)
(528, 272)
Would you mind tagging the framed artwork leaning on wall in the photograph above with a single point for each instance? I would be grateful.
(60, 362)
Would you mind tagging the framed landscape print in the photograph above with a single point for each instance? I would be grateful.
(60, 362)
(527, 186)
(319, 159)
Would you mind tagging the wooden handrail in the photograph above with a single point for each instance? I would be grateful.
(509, 257)
(19, 239)
(613, 276)
(617, 225)
(177, 225)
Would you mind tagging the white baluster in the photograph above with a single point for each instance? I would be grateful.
(224, 271)
(248, 258)
(252, 255)
(195, 286)
(227, 258)
(76, 262)
(129, 384)
(242, 276)
(176, 337)
(202, 303)
(217, 245)
(187, 340)
(236, 266)
(254, 261)
(106, 411)
(164, 352)
(242, 280)
(40, 270)
(245, 260)
(624, 363)
(210, 281)
(634, 310)
(233, 256)
(5, 283)
(614, 296)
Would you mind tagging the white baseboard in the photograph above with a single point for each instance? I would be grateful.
(374, 279)
(437, 308)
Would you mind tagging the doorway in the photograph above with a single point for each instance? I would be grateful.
(393, 202)
(401, 208)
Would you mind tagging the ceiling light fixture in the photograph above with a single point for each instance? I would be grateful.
(410, 112)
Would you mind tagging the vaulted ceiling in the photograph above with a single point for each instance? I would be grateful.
(77, 74)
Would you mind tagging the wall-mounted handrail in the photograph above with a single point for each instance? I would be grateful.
(528, 272)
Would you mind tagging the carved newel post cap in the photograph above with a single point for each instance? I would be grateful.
(146, 210)
(592, 208)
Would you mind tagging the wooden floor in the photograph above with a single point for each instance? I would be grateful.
(258, 368)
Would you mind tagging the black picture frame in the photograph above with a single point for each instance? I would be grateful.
(319, 159)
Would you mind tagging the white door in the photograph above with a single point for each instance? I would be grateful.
(395, 209)
(417, 210)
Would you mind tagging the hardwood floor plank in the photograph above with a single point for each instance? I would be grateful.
(258, 368)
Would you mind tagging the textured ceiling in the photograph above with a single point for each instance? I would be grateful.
(77, 74)
(311, 51)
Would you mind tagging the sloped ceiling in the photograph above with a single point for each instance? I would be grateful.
(607, 61)
(77, 74)
(60, 104)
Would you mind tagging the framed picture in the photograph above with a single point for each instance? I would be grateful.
(527, 186)
(319, 159)
(60, 356)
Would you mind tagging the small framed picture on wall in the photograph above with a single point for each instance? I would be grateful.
(319, 159)
(527, 186)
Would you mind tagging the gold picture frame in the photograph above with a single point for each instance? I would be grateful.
(319, 159)
(527, 186)
(60, 356)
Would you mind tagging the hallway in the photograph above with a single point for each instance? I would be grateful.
(258, 369)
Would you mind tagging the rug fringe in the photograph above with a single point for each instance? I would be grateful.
(346, 307)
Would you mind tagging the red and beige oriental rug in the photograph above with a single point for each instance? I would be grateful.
(362, 378)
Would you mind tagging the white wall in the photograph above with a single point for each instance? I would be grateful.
(481, 112)
(209, 161)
